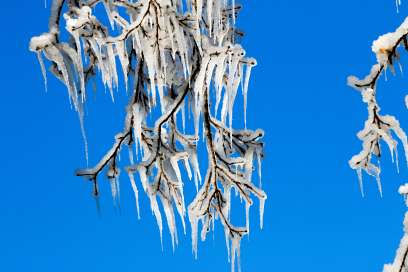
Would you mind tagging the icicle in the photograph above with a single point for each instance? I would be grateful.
(131, 159)
(83, 133)
(151, 70)
(54, 55)
(247, 207)
(227, 207)
(80, 64)
(178, 197)
(183, 116)
(199, 88)
(171, 36)
(137, 38)
(249, 157)
(397, 4)
(258, 156)
(117, 184)
(406, 101)
(112, 65)
(360, 181)
(43, 71)
(261, 211)
(209, 16)
(181, 43)
(235, 251)
(187, 166)
(196, 168)
(124, 60)
(174, 164)
(194, 233)
(377, 177)
(245, 91)
(143, 179)
(397, 160)
(219, 73)
(227, 243)
(205, 227)
(224, 108)
(199, 8)
(137, 127)
(113, 189)
(135, 191)
(232, 85)
(157, 214)
(170, 221)
(233, 13)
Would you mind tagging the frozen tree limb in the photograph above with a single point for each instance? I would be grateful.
(379, 127)
(173, 57)
(384, 128)
(400, 261)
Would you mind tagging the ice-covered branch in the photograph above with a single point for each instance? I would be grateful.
(379, 127)
(174, 56)
(400, 261)
(212, 201)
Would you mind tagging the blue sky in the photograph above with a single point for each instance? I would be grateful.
(315, 218)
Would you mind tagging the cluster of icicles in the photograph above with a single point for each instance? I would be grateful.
(174, 54)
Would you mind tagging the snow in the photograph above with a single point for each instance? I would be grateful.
(403, 189)
(386, 43)
(38, 43)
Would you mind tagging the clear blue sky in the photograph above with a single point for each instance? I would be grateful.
(315, 218)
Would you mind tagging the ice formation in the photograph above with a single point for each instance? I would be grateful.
(379, 128)
(383, 128)
(174, 55)
(399, 264)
